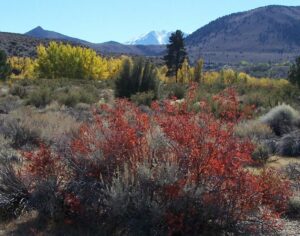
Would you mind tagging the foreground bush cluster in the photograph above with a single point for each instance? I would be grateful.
(277, 132)
(170, 171)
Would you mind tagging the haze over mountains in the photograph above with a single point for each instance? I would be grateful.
(270, 33)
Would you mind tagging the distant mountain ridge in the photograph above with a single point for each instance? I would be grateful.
(151, 38)
(41, 33)
(266, 34)
(25, 45)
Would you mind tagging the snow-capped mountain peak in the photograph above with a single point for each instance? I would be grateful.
(152, 38)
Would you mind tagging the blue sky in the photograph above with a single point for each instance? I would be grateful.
(119, 20)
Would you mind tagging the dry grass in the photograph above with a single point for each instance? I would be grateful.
(253, 129)
(47, 125)
(278, 162)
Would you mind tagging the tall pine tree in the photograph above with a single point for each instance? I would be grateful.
(176, 53)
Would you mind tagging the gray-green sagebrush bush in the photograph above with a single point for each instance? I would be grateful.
(254, 130)
(282, 119)
(13, 192)
(19, 134)
(289, 144)
(261, 153)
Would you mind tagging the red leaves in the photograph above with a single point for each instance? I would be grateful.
(119, 133)
(41, 163)
(72, 202)
(209, 154)
(202, 145)
(276, 190)
(175, 223)
(172, 191)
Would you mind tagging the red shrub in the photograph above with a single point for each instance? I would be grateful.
(118, 134)
(42, 163)
(212, 180)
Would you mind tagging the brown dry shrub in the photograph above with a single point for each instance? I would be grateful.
(47, 125)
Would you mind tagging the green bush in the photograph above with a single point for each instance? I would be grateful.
(293, 173)
(72, 96)
(293, 210)
(178, 91)
(40, 97)
(19, 134)
(5, 69)
(19, 91)
(69, 99)
(6, 151)
(144, 98)
(282, 119)
(294, 72)
(261, 153)
(289, 144)
(136, 77)
(255, 98)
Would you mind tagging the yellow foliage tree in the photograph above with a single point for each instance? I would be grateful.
(65, 61)
(211, 78)
(229, 76)
(22, 67)
(161, 72)
(185, 73)
(198, 71)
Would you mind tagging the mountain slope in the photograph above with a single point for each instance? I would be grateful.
(19, 44)
(106, 48)
(23, 45)
(41, 33)
(137, 50)
(266, 29)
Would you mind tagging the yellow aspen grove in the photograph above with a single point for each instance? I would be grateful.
(60, 60)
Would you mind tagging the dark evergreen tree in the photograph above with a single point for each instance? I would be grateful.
(294, 72)
(137, 76)
(4, 66)
(176, 53)
(123, 82)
